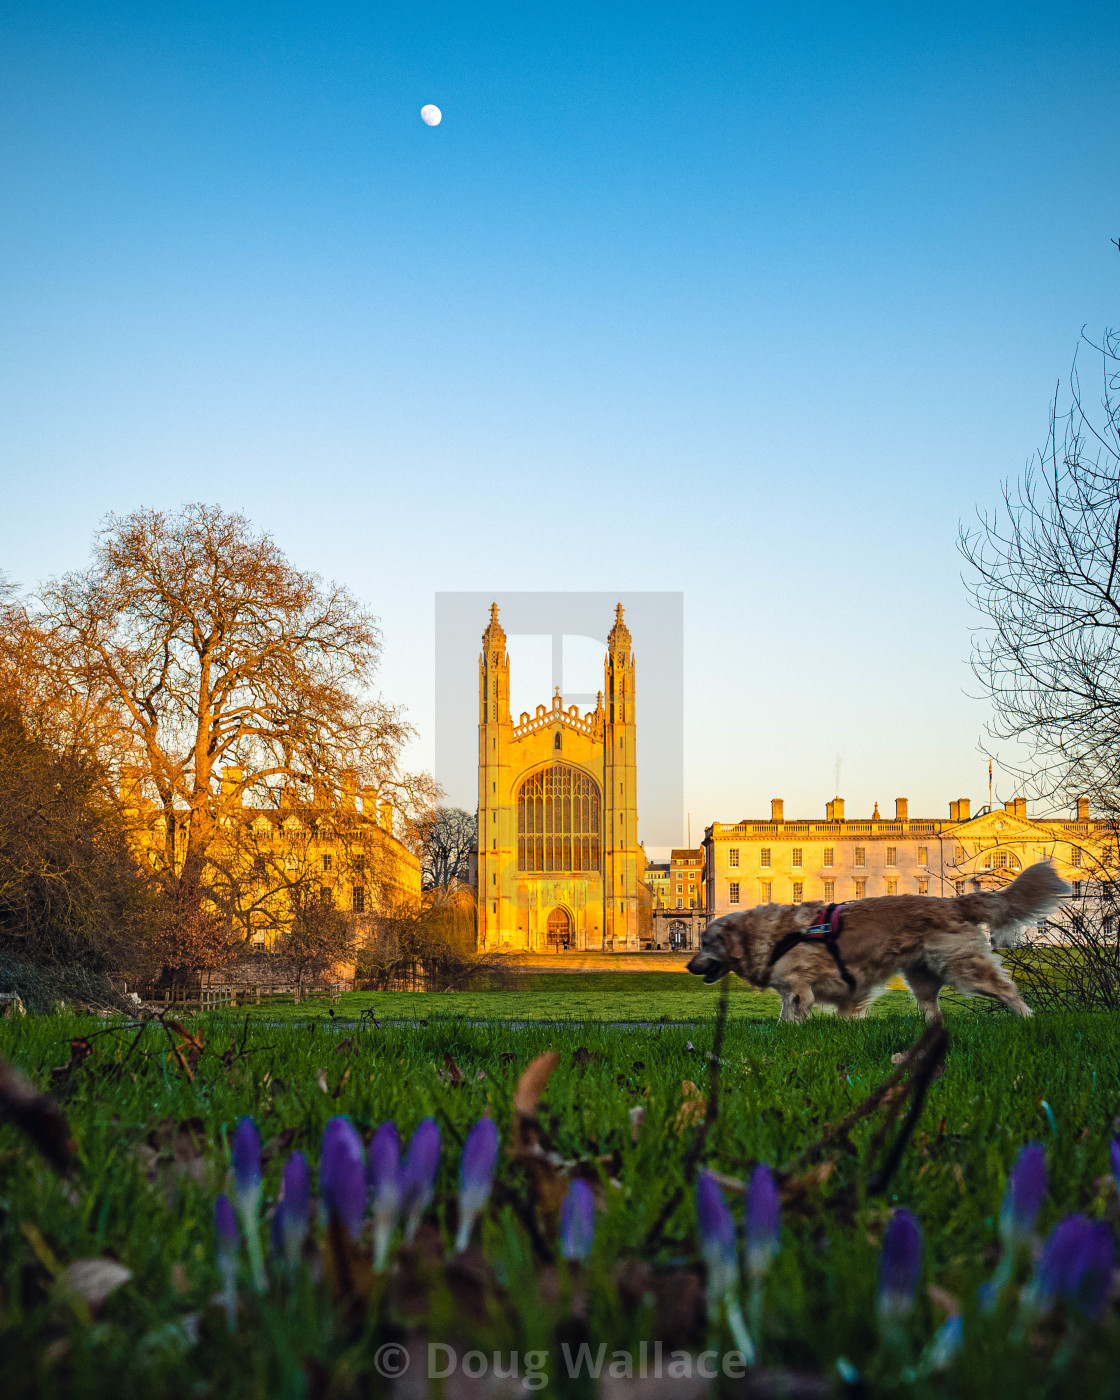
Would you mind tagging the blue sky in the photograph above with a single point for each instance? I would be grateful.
(754, 302)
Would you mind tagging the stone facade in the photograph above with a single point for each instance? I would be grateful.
(559, 862)
(836, 860)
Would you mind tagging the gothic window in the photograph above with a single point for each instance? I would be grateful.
(558, 821)
(556, 741)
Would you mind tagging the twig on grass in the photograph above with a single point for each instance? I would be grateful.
(834, 1134)
(710, 1114)
(924, 1067)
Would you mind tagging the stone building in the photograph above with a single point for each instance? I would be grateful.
(341, 843)
(839, 859)
(559, 862)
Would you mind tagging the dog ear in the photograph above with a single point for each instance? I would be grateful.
(806, 915)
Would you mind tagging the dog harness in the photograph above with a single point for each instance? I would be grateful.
(827, 931)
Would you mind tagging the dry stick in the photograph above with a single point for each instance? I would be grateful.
(710, 1115)
(923, 1073)
(836, 1132)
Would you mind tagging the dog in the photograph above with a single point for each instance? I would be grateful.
(846, 962)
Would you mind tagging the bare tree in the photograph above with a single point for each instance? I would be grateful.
(1045, 574)
(237, 681)
(447, 838)
(317, 937)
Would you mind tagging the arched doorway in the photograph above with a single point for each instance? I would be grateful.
(559, 931)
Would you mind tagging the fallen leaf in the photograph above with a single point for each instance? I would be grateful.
(531, 1085)
(91, 1280)
(345, 1047)
(38, 1116)
(453, 1070)
(80, 1049)
(637, 1118)
(322, 1081)
(942, 1299)
(797, 1188)
(693, 1107)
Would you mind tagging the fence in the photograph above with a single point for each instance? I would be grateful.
(211, 998)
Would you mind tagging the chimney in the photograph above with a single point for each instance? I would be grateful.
(834, 810)
(1082, 809)
(1009, 806)
(385, 813)
(902, 809)
(1020, 806)
(349, 780)
(369, 801)
(777, 808)
(231, 780)
(964, 809)
(954, 811)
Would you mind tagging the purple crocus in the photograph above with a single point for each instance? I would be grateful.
(225, 1232)
(1114, 1160)
(1026, 1188)
(900, 1263)
(383, 1183)
(721, 1255)
(342, 1178)
(419, 1174)
(577, 1221)
(476, 1177)
(1076, 1265)
(245, 1150)
(717, 1237)
(290, 1220)
(764, 1220)
(246, 1153)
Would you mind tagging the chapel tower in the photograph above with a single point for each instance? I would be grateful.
(559, 863)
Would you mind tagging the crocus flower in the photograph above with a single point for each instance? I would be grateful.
(717, 1237)
(717, 1243)
(944, 1346)
(419, 1174)
(1026, 1187)
(476, 1177)
(1114, 1160)
(383, 1183)
(764, 1220)
(290, 1220)
(899, 1266)
(342, 1178)
(246, 1154)
(225, 1231)
(1076, 1265)
(577, 1221)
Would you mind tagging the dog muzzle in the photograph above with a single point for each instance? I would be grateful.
(708, 966)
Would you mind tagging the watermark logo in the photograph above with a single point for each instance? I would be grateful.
(533, 1370)
(557, 641)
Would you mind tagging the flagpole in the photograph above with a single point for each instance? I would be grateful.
(989, 784)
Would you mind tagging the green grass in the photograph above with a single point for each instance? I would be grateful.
(642, 997)
(150, 1205)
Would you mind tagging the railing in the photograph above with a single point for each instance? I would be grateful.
(211, 998)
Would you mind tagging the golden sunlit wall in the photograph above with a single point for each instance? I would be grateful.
(559, 862)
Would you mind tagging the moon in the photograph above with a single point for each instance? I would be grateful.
(431, 115)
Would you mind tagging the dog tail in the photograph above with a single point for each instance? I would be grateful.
(1038, 891)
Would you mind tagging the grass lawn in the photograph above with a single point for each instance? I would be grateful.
(642, 997)
(153, 1152)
